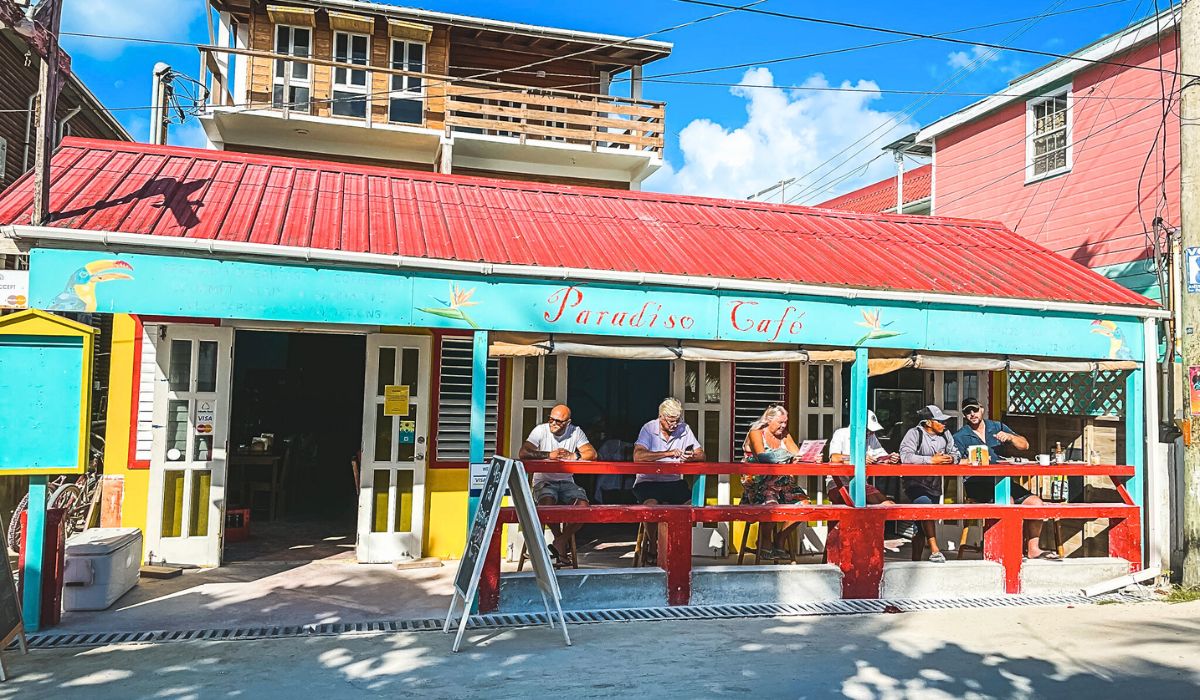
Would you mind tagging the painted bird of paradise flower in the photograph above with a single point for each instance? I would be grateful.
(876, 328)
(454, 308)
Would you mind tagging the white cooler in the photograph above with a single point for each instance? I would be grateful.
(101, 565)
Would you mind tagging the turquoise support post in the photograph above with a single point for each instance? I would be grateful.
(1135, 432)
(479, 356)
(698, 490)
(858, 426)
(35, 539)
(1004, 490)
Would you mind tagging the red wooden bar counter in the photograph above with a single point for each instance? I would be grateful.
(855, 541)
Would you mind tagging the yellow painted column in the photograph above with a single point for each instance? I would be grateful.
(135, 482)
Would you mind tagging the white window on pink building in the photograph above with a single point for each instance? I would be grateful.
(1048, 134)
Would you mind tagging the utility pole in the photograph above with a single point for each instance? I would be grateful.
(1189, 207)
(47, 16)
(159, 100)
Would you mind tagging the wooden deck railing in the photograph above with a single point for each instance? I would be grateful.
(456, 104)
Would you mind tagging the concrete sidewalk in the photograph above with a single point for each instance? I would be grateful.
(1144, 650)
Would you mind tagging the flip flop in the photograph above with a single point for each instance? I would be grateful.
(1049, 556)
(555, 555)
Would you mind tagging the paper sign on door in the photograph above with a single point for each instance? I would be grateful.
(395, 400)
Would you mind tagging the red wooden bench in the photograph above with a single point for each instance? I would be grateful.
(855, 535)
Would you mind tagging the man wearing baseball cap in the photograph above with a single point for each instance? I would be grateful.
(928, 442)
(982, 489)
(839, 452)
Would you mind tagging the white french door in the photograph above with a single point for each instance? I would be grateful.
(703, 388)
(189, 445)
(396, 402)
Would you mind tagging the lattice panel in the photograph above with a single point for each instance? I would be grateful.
(1067, 393)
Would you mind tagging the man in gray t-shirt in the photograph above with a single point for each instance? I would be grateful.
(558, 439)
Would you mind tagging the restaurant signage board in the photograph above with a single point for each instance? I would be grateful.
(503, 474)
(162, 285)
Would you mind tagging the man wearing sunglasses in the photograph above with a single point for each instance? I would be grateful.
(996, 436)
(558, 439)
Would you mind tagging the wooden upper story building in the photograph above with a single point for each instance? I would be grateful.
(371, 83)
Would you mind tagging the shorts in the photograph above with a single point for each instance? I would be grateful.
(671, 493)
(982, 489)
(565, 493)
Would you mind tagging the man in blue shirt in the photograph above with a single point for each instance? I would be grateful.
(977, 430)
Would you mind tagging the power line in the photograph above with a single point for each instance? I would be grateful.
(920, 35)
(914, 107)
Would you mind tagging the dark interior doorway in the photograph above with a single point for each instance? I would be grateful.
(620, 394)
(305, 390)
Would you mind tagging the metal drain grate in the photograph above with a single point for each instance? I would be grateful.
(50, 640)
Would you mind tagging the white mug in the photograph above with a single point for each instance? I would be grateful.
(1044, 460)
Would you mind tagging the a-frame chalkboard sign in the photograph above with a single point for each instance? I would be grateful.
(11, 622)
(503, 472)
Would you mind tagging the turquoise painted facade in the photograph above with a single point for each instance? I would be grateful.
(163, 285)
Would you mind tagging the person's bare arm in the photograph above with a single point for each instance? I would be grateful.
(642, 454)
(755, 439)
(697, 455)
(530, 451)
(1013, 439)
(587, 452)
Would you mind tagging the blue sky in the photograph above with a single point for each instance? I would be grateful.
(726, 141)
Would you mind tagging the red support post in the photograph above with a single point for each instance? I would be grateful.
(1004, 542)
(489, 580)
(675, 555)
(1125, 541)
(855, 545)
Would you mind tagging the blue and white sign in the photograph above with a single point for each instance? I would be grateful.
(1191, 259)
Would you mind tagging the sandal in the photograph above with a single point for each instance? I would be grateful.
(1048, 556)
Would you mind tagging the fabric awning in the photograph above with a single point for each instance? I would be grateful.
(627, 349)
(967, 363)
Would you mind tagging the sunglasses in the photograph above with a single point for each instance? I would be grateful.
(971, 410)
(559, 421)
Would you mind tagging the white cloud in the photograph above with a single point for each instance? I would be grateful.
(978, 55)
(143, 19)
(787, 133)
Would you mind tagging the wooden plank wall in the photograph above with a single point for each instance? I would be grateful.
(262, 38)
(472, 59)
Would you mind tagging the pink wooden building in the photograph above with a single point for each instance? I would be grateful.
(1058, 155)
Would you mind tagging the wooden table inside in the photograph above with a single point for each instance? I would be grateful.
(252, 460)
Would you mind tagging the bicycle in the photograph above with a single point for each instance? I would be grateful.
(75, 497)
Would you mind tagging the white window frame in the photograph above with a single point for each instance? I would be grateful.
(293, 82)
(348, 68)
(1030, 106)
(406, 91)
(546, 400)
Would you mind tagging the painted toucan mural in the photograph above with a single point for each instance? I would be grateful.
(1117, 347)
(80, 292)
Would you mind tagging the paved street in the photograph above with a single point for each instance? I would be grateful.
(1144, 650)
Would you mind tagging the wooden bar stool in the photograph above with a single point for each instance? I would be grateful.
(572, 550)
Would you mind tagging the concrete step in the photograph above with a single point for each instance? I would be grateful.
(1069, 575)
(587, 589)
(924, 579)
(793, 583)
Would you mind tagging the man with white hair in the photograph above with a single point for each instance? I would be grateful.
(664, 439)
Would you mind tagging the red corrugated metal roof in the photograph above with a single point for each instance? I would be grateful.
(881, 196)
(192, 193)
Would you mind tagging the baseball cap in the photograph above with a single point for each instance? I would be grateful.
(873, 422)
(969, 402)
(932, 412)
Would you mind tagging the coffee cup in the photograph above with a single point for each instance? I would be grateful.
(1044, 460)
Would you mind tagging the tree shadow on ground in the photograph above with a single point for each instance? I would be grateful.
(861, 656)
